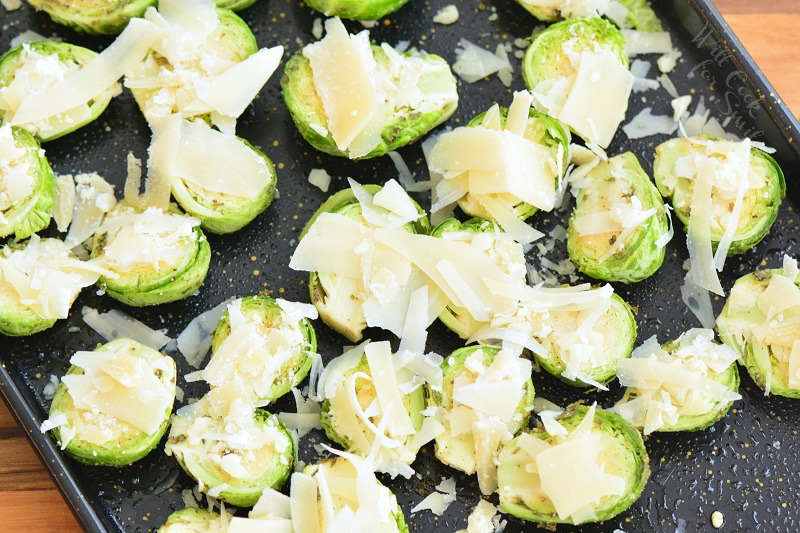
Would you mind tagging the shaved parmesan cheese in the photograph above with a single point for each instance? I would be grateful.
(646, 42)
(319, 177)
(306, 418)
(481, 519)
(29, 36)
(435, 502)
(320, 249)
(669, 61)
(57, 420)
(790, 268)
(94, 198)
(115, 324)
(303, 503)
(645, 124)
(253, 525)
(11, 5)
(65, 202)
(446, 15)
(378, 356)
(393, 198)
(680, 107)
(194, 341)
(794, 366)
(698, 235)
(474, 63)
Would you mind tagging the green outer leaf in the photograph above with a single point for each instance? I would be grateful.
(545, 58)
(246, 492)
(221, 213)
(95, 17)
(10, 62)
(762, 212)
(34, 212)
(452, 366)
(135, 444)
(188, 520)
(621, 312)
(639, 258)
(641, 16)
(609, 424)
(305, 107)
(271, 312)
(344, 202)
(414, 404)
(541, 129)
(755, 356)
(356, 9)
(235, 5)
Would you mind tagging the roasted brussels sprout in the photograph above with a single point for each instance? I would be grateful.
(486, 398)
(234, 5)
(589, 466)
(155, 256)
(352, 99)
(113, 405)
(350, 384)
(619, 227)
(578, 72)
(91, 16)
(39, 280)
(232, 449)
(761, 321)
(339, 299)
(193, 520)
(261, 347)
(636, 13)
(34, 67)
(27, 184)
(684, 385)
(357, 9)
(747, 186)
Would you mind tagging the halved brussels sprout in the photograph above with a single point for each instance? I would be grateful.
(129, 390)
(349, 387)
(683, 385)
(156, 257)
(356, 9)
(461, 368)
(234, 5)
(36, 66)
(39, 280)
(232, 449)
(592, 470)
(541, 129)
(93, 16)
(258, 346)
(161, 88)
(193, 520)
(619, 228)
(639, 13)
(416, 93)
(675, 169)
(338, 303)
(761, 321)
(27, 184)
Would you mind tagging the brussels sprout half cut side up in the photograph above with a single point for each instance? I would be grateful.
(91, 16)
(156, 256)
(341, 309)
(232, 449)
(639, 13)
(235, 5)
(767, 341)
(619, 228)
(291, 344)
(192, 520)
(356, 9)
(93, 433)
(463, 366)
(29, 184)
(36, 57)
(541, 129)
(410, 94)
(592, 470)
(765, 186)
(222, 213)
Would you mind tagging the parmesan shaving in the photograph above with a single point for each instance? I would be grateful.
(645, 42)
(194, 341)
(319, 178)
(115, 324)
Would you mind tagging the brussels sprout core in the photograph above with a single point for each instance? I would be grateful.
(101, 17)
(194, 520)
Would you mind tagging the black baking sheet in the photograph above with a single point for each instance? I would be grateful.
(745, 466)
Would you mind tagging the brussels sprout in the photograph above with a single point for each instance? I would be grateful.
(101, 438)
(357, 9)
(464, 365)
(683, 385)
(640, 15)
(232, 449)
(766, 339)
(153, 82)
(340, 308)
(619, 228)
(620, 453)
(30, 61)
(224, 213)
(427, 78)
(350, 376)
(234, 5)
(280, 340)
(342, 468)
(759, 207)
(91, 16)
(156, 257)
(541, 129)
(28, 183)
(192, 520)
